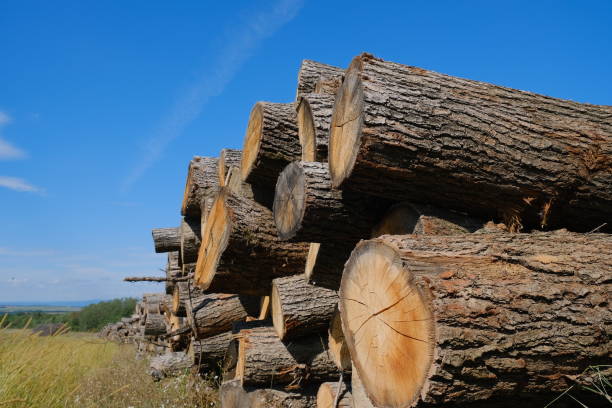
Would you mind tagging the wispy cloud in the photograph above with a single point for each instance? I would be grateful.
(241, 44)
(18, 184)
(7, 150)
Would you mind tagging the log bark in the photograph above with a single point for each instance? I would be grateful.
(202, 175)
(311, 72)
(338, 350)
(271, 142)
(307, 209)
(476, 317)
(264, 195)
(154, 324)
(228, 158)
(206, 353)
(166, 239)
(214, 313)
(328, 391)
(238, 232)
(399, 130)
(152, 302)
(233, 395)
(173, 270)
(190, 239)
(261, 358)
(314, 112)
(300, 309)
(169, 365)
(328, 86)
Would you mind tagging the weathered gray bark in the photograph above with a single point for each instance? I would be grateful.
(169, 365)
(314, 113)
(190, 239)
(228, 158)
(208, 352)
(311, 72)
(154, 325)
(166, 239)
(511, 316)
(202, 175)
(233, 395)
(409, 134)
(300, 309)
(215, 313)
(328, 86)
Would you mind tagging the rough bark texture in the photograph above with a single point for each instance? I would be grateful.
(172, 270)
(328, 86)
(190, 239)
(299, 309)
(215, 313)
(240, 252)
(169, 365)
(511, 316)
(271, 142)
(166, 239)
(202, 175)
(233, 395)
(208, 352)
(311, 72)
(152, 302)
(399, 130)
(154, 325)
(263, 359)
(228, 158)
(264, 195)
(326, 397)
(307, 209)
(314, 112)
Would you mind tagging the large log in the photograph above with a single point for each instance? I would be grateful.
(334, 395)
(215, 313)
(475, 317)
(190, 239)
(405, 133)
(166, 239)
(299, 309)
(169, 365)
(228, 158)
(308, 209)
(240, 252)
(258, 357)
(154, 324)
(206, 353)
(311, 72)
(202, 176)
(271, 142)
(314, 114)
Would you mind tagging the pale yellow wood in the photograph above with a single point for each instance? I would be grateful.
(252, 141)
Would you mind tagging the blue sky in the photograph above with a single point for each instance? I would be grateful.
(102, 104)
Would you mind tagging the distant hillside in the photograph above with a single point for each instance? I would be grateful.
(69, 303)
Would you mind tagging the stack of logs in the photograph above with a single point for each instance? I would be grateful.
(370, 246)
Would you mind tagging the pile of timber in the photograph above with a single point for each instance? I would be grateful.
(393, 237)
(123, 331)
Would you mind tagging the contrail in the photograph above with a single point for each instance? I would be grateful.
(213, 80)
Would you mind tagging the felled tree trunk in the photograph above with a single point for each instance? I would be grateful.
(240, 252)
(405, 133)
(328, 391)
(215, 313)
(299, 309)
(152, 302)
(154, 325)
(202, 175)
(228, 158)
(312, 72)
(474, 317)
(190, 239)
(166, 239)
(314, 112)
(208, 352)
(169, 365)
(261, 358)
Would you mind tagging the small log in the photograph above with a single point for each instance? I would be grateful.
(405, 133)
(190, 239)
(338, 350)
(232, 395)
(264, 308)
(228, 158)
(180, 297)
(314, 114)
(169, 365)
(311, 72)
(237, 232)
(330, 392)
(215, 313)
(154, 324)
(146, 279)
(173, 270)
(206, 353)
(166, 239)
(300, 309)
(257, 356)
(271, 142)
(476, 317)
(202, 175)
(152, 302)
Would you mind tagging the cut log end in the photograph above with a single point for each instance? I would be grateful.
(337, 345)
(386, 319)
(306, 131)
(346, 123)
(278, 319)
(328, 391)
(311, 261)
(252, 141)
(289, 203)
(214, 241)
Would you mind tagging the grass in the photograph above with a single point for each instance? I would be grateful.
(80, 370)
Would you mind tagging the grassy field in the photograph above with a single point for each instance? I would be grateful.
(80, 370)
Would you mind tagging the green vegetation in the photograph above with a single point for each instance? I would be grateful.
(89, 318)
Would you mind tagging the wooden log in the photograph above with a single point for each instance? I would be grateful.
(264, 195)
(208, 352)
(300, 309)
(152, 302)
(169, 365)
(338, 350)
(329, 391)
(328, 86)
(232, 395)
(215, 313)
(259, 357)
(264, 308)
(228, 158)
(154, 324)
(282, 398)
(190, 239)
(476, 317)
(307, 209)
(173, 270)
(202, 175)
(314, 112)
(166, 239)
(180, 297)
(271, 142)
(240, 252)
(397, 131)
(311, 72)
